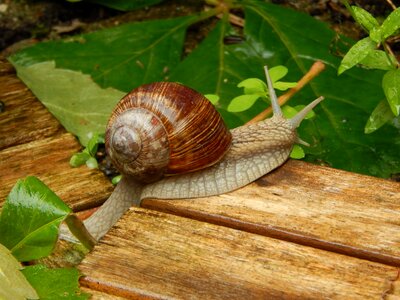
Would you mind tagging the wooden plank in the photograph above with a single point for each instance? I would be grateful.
(152, 254)
(24, 118)
(96, 295)
(317, 206)
(48, 159)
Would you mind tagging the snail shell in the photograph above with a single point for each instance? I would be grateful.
(165, 128)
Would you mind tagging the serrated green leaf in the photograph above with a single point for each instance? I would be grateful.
(242, 102)
(356, 54)
(79, 159)
(13, 284)
(391, 24)
(253, 86)
(122, 57)
(391, 88)
(381, 115)
(30, 219)
(364, 18)
(297, 152)
(378, 59)
(54, 284)
(80, 105)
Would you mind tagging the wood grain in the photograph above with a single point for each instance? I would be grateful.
(48, 159)
(317, 206)
(158, 255)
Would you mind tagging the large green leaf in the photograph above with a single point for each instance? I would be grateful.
(13, 284)
(30, 219)
(274, 36)
(72, 97)
(122, 57)
(54, 284)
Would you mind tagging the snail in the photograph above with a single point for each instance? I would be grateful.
(169, 142)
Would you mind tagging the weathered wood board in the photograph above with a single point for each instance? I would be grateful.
(317, 206)
(258, 242)
(159, 255)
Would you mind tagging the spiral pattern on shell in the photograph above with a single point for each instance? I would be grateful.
(165, 128)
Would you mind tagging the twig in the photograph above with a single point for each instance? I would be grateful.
(391, 4)
(315, 69)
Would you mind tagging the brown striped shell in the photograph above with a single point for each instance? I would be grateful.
(165, 128)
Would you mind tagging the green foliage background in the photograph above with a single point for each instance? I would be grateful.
(126, 56)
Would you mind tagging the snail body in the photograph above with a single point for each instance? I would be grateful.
(237, 157)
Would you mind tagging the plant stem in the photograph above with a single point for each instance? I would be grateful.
(391, 4)
(315, 69)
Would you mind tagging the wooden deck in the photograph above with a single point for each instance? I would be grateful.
(301, 232)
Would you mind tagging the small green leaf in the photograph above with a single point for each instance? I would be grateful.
(212, 98)
(391, 24)
(283, 86)
(277, 72)
(297, 152)
(79, 159)
(378, 59)
(116, 179)
(364, 18)
(391, 88)
(310, 115)
(13, 284)
(54, 284)
(91, 163)
(242, 102)
(93, 144)
(253, 86)
(356, 54)
(379, 117)
(376, 35)
(30, 219)
(289, 111)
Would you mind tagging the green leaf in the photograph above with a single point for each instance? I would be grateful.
(378, 59)
(242, 102)
(356, 54)
(54, 284)
(376, 35)
(277, 73)
(78, 159)
(91, 163)
(381, 115)
(93, 144)
(289, 111)
(13, 284)
(73, 98)
(283, 86)
(253, 86)
(364, 18)
(122, 57)
(125, 5)
(297, 152)
(337, 131)
(391, 87)
(214, 99)
(116, 179)
(30, 219)
(391, 24)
